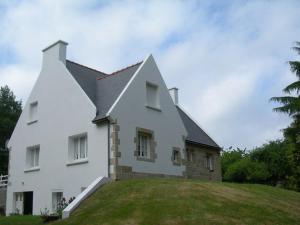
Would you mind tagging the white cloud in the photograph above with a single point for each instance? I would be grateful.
(227, 60)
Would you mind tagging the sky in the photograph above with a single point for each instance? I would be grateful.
(228, 58)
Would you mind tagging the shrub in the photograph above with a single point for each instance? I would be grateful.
(246, 170)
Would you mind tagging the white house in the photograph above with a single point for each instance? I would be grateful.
(80, 123)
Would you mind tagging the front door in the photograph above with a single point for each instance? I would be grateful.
(28, 202)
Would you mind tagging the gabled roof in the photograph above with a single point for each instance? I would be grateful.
(195, 134)
(103, 89)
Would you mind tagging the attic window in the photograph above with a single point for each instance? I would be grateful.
(152, 96)
(33, 109)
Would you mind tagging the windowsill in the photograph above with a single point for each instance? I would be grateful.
(153, 108)
(31, 122)
(32, 169)
(76, 162)
(144, 159)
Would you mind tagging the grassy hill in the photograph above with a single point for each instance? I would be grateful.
(171, 201)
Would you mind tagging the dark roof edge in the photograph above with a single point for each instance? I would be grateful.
(195, 121)
(86, 67)
(100, 120)
(118, 71)
(204, 145)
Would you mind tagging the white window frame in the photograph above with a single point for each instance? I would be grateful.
(33, 157)
(78, 151)
(144, 145)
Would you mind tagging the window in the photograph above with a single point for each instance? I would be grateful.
(33, 109)
(32, 157)
(209, 162)
(176, 156)
(78, 147)
(190, 155)
(152, 96)
(143, 145)
(18, 203)
(56, 201)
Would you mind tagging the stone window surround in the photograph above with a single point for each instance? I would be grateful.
(190, 155)
(176, 163)
(152, 143)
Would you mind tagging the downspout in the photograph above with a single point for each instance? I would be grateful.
(108, 150)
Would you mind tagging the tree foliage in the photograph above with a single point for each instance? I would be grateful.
(10, 110)
(267, 164)
(290, 104)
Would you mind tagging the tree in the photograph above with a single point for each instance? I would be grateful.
(290, 104)
(10, 110)
(229, 157)
(273, 154)
(247, 171)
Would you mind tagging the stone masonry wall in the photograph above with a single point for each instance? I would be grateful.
(196, 167)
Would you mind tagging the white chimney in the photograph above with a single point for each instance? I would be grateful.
(56, 51)
(174, 94)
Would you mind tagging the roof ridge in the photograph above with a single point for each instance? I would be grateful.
(86, 67)
(118, 71)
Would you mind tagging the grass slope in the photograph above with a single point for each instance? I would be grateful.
(171, 201)
(168, 201)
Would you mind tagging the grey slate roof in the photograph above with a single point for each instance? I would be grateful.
(103, 89)
(195, 133)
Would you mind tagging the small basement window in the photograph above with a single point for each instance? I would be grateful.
(56, 201)
(33, 110)
(152, 96)
(78, 148)
(32, 157)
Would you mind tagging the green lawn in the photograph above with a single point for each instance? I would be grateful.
(22, 220)
(171, 201)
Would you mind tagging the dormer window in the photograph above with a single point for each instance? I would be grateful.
(33, 110)
(152, 96)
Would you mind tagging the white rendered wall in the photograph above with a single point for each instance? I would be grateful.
(130, 112)
(63, 110)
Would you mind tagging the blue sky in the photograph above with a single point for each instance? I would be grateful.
(226, 57)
